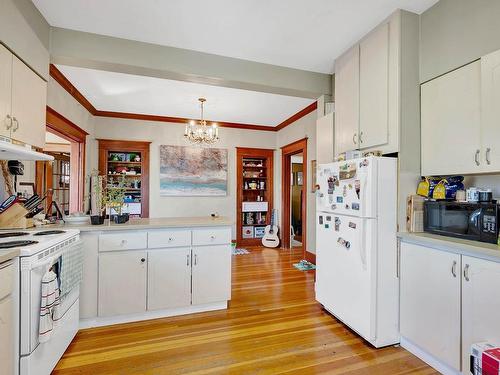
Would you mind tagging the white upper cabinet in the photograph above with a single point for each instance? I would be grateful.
(490, 111)
(480, 304)
(5, 90)
(374, 88)
(23, 99)
(324, 139)
(29, 99)
(450, 122)
(347, 101)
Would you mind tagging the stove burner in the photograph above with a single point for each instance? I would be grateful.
(49, 232)
(13, 234)
(10, 244)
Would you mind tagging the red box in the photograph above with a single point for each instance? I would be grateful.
(491, 361)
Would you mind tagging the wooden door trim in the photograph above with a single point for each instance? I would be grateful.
(286, 153)
(143, 147)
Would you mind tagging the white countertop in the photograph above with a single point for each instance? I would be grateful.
(152, 223)
(8, 254)
(455, 245)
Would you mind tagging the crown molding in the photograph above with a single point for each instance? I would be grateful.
(57, 75)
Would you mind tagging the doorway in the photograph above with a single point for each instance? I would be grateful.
(63, 180)
(294, 202)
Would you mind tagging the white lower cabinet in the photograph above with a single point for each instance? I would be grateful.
(430, 301)
(122, 282)
(211, 274)
(169, 278)
(480, 304)
(448, 302)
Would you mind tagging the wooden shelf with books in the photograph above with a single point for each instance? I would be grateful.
(254, 195)
(129, 159)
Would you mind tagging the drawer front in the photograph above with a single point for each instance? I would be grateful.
(169, 238)
(211, 236)
(6, 280)
(123, 241)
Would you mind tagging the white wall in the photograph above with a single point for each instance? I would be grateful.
(161, 133)
(456, 32)
(302, 128)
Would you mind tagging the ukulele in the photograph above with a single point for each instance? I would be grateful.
(270, 238)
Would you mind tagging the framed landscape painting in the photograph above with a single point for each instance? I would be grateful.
(193, 171)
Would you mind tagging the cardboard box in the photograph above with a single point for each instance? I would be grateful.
(485, 359)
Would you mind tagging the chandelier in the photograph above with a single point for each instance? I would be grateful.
(200, 133)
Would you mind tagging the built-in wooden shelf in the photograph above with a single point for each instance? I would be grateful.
(245, 157)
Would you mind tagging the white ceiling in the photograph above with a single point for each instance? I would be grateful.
(118, 92)
(303, 34)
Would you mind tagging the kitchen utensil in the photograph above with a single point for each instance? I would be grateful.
(8, 202)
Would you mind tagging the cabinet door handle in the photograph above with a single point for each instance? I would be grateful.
(454, 269)
(476, 157)
(8, 122)
(187, 261)
(143, 260)
(488, 161)
(361, 137)
(14, 120)
(354, 136)
(195, 259)
(466, 272)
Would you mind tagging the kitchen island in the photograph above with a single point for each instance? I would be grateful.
(152, 268)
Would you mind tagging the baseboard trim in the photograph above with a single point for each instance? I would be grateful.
(310, 257)
(111, 320)
(428, 358)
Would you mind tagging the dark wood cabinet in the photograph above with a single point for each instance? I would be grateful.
(131, 159)
(254, 194)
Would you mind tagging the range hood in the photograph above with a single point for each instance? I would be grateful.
(10, 151)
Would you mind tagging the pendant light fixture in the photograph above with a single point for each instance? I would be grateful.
(199, 132)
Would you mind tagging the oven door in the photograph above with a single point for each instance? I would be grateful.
(453, 219)
(31, 281)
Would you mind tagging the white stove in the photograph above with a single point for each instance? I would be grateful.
(40, 250)
(32, 242)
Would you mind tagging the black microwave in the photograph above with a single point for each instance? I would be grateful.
(471, 221)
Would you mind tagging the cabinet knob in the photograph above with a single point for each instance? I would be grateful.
(354, 136)
(212, 237)
(476, 157)
(361, 137)
(14, 120)
(143, 260)
(170, 239)
(488, 161)
(454, 269)
(466, 272)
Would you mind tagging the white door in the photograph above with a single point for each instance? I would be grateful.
(211, 280)
(430, 301)
(7, 340)
(29, 100)
(5, 90)
(374, 88)
(480, 304)
(347, 101)
(451, 115)
(490, 111)
(352, 292)
(169, 278)
(122, 282)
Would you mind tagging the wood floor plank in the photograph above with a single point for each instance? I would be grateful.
(273, 326)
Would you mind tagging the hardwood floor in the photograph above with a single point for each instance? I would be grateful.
(273, 326)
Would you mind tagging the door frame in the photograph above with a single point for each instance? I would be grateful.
(65, 128)
(287, 152)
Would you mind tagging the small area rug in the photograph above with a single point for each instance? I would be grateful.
(304, 265)
(240, 251)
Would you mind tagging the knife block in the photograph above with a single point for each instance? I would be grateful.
(14, 217)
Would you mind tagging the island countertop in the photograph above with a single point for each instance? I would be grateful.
(151, 223)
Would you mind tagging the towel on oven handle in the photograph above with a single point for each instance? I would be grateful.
(71, 268)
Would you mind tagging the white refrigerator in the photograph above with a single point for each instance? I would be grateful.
(356, 246)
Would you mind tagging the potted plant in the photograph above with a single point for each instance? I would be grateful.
(115, 199)
(97, 198)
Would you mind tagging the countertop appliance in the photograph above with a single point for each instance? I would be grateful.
(356, 253)
(471, 221)
(39, 250)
